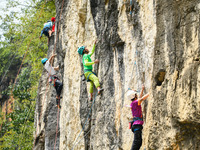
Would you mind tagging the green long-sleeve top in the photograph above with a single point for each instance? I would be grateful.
(87, 62)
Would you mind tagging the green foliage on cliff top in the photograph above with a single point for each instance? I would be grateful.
(19, 29)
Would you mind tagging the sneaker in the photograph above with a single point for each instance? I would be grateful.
(100, 91)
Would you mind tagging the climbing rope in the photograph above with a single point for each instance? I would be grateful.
(56, 128)
(53, 53)
(97, 121)
(85, 121)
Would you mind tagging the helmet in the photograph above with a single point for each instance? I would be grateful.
(53, 19)
(44, 60)
(49, 21)
(131, 94)
(80, 50)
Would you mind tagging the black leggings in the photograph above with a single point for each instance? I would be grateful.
(137, 142)
(58, 87)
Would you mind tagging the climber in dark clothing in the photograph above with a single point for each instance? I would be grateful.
(53, 79)
(137, 122)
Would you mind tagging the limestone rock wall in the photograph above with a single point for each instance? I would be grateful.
(155, 46)
(175, 109)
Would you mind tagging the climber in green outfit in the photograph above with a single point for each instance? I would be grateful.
(87, 64)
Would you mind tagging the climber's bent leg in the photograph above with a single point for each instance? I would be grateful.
(58, 87)
(95, 80)
(137, 143)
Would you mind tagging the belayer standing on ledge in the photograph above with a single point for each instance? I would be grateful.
(53, 79)
(136, 124)
(89, 74)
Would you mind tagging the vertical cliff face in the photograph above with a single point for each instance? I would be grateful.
(154, 46)
(176, 104)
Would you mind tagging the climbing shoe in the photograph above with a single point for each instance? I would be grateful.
(91, 98)
(100, 91)
(58, 103)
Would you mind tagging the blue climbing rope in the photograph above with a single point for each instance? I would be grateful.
(85, 122)
(98, 120)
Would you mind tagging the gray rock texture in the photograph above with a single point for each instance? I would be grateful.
(158, 46)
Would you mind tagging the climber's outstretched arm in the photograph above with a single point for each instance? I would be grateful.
(141, 93)
(93, 49)
(143, 98)
(51, 58)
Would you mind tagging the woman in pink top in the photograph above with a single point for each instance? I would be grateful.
(136, 124)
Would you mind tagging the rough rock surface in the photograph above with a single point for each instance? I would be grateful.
(155, 46)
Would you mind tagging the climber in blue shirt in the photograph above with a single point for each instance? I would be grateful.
(47, 29)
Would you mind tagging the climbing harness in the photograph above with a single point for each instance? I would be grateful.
(52, 80)
(88, 80)
(134, 119)
(83, 75)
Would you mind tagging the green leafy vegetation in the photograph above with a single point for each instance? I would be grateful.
(21, 38)
(18, 126)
